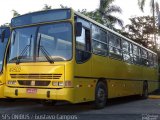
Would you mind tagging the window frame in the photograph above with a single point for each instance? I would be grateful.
(89, 52)
(112, 55)
(99, 41)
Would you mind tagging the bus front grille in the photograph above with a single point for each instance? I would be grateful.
(33, 83)
(36, 76)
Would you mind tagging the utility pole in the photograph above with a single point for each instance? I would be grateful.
(159, 20)
(159, 30)
(154, 29)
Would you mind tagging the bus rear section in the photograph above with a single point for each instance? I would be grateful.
(4, 37)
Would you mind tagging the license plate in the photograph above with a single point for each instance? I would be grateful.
(31, 91)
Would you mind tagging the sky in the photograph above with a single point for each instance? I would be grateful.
(129, 7)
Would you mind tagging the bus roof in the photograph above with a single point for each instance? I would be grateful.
(104, 27)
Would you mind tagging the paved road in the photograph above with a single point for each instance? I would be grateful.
(126, 108)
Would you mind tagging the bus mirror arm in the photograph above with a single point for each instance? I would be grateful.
(78, 29)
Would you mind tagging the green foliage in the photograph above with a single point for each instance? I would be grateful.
(5, 25)
(47, 7)
(104, 14)
(141, 31)
(15, 13)
(62, 6)
(105, 11)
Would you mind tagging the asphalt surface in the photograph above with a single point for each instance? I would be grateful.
(126, 108)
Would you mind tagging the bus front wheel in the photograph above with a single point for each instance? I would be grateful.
(145, 90)
(100, 95)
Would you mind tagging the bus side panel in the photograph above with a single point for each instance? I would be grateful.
(84, 90)
(121, 76)
(83, 83)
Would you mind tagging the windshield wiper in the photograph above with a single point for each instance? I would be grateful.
(23, 51)
(45, 52)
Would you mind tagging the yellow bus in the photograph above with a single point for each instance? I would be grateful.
(4, 37)
(63, 55)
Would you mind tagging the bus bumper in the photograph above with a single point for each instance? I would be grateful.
(2, 91)
(65, 94)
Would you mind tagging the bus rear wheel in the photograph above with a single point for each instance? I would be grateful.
(145, 90)
(100, 95)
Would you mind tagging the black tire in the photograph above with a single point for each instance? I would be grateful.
(48, 102)
(145, 90)
(100, 95)
(9, 100)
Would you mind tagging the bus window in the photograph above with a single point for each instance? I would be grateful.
(56, 40)
(83, 46)
(126, 50)
(150, 59)
(155, 61)
(115, 46)
(144, 57)
(131, 52)
(2, 51)
(80, 41)
(136, 55)
(99, 38)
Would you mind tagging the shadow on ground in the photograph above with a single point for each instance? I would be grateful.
(31, 106)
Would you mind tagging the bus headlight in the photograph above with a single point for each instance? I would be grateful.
(11, 82)
(60, 84)
(56, 83)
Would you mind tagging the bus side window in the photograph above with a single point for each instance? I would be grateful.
(150, 59)
(83, 46)
(99, 41)
(144, 57)
(115, 50)
(126, 51)
(155, 61)
(136, 55)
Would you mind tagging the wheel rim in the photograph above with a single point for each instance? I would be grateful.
(101, 95)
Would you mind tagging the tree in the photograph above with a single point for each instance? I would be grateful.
(15, 13)
(104, 13)
(92, 14)
(154, 8)
(105, 10)
(141, 31)
(47, 7)
(62, 6)
(5, 25)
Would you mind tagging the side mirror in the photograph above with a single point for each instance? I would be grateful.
(78, 28)
(2, 36)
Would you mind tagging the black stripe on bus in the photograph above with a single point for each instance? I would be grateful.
(114, 79)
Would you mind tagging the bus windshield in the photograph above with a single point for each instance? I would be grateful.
(41, 43)
(2, 51)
